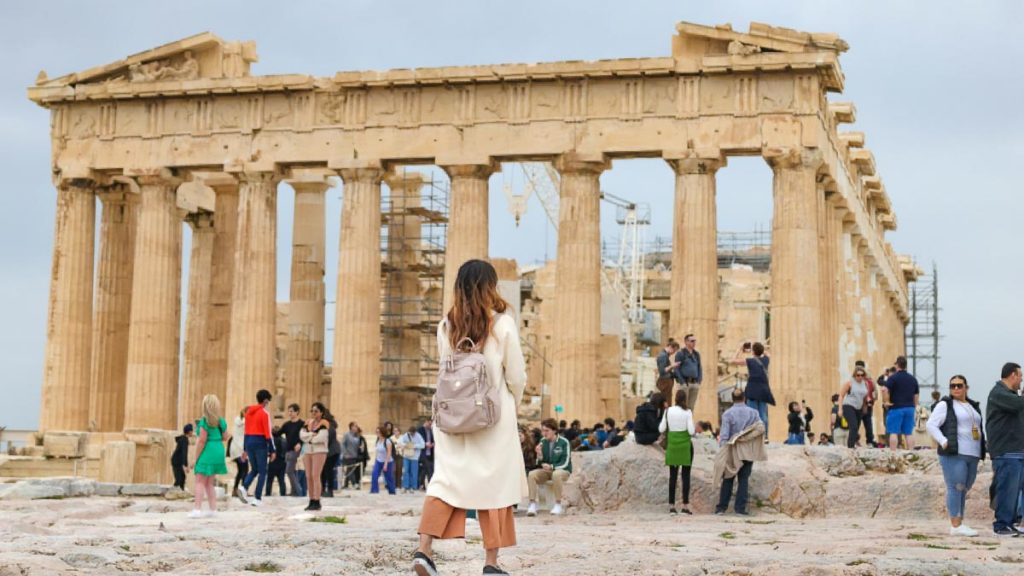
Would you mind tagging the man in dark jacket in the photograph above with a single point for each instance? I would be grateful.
(179, 460)
(427, 456)
(1005, 434)
(648, 416)
(667, 369)
(690, 373)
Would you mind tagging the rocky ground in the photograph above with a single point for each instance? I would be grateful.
(809, 523)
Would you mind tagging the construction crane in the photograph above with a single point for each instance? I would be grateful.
(625, 276)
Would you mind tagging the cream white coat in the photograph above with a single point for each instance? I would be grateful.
(484, 470)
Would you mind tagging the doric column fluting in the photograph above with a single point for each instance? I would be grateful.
(355, 379)
(222, 271)
(826, 276)
(193, 386)
(574, 381)
(112, 313)
(251, 348)
(305, 356)
(467, 220)
(694, 284)
(795, 370)
(151, 393)
(65, 395)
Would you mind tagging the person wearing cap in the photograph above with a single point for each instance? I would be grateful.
(179, 459)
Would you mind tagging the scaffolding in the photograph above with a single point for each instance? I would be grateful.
(750, 248)
(921, 338)
(414, 221)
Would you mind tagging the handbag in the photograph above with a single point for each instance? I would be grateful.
(663, 437)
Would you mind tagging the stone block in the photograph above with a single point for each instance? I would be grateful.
(153, 450)
(107, 489)
(65, 444)
(144, 490)
(33, 490)
(81, 487)
(117, 462)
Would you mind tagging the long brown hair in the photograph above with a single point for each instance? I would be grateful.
(475, 296)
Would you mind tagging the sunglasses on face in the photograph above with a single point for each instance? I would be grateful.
(957, 386)
(858, 376)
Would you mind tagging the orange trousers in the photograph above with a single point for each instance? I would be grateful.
(444, 521)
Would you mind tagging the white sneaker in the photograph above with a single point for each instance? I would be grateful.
(210, 514)
(196, 513)
(556, 510)
(240, 492)
(532, 510)
(963, 530)
(256, 502)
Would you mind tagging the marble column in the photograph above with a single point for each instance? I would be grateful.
(222, 271)
(694, 285)
(112, 314)
(467, 220)
(304, 364)
(355, 381)
(151, 393)
(65, 395)
(829, 333)
(193, 387)
(577, 336)
(251, 349)
(400, 397)
(796, 349)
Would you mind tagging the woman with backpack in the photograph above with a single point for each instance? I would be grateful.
(383, 462)
(956, 425)
(482, 469)
(210, 455)
(677, 425)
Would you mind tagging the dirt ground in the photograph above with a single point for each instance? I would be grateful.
(152, 536)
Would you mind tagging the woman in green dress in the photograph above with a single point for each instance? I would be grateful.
(210, 456)
(677, 424)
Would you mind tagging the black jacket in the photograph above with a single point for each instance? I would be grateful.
(180, 456)
(645, 425)
(949, 428)
(1005, 415)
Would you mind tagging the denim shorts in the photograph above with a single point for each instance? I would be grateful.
(900, 421)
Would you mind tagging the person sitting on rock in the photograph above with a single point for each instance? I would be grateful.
(796, 425)
(648, 415)
(555, 459)
(741, 443)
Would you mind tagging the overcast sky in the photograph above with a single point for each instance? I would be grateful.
(937, 86)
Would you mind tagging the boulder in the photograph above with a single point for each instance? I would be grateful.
(799, 481)
(81, 487)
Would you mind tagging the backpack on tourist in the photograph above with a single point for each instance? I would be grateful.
(465, 401)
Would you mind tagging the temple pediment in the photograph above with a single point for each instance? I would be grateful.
(197, 57)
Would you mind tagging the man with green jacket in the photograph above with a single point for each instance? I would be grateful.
(555, 458)
(1004, 414)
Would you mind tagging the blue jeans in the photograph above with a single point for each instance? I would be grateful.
(256, 450)
(762, 411)
(1007, 477)
(796, 439)
(742, 491)
(959, 472)
(302, 482)
(389, 477)
(410, 474)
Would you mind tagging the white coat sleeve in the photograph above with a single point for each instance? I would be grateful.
(513, 361)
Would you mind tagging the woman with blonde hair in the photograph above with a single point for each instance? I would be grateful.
(481, 470)
(213, 434)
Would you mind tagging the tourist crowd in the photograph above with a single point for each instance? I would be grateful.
(470, 466)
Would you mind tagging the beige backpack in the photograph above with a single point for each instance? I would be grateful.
(465, 401)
